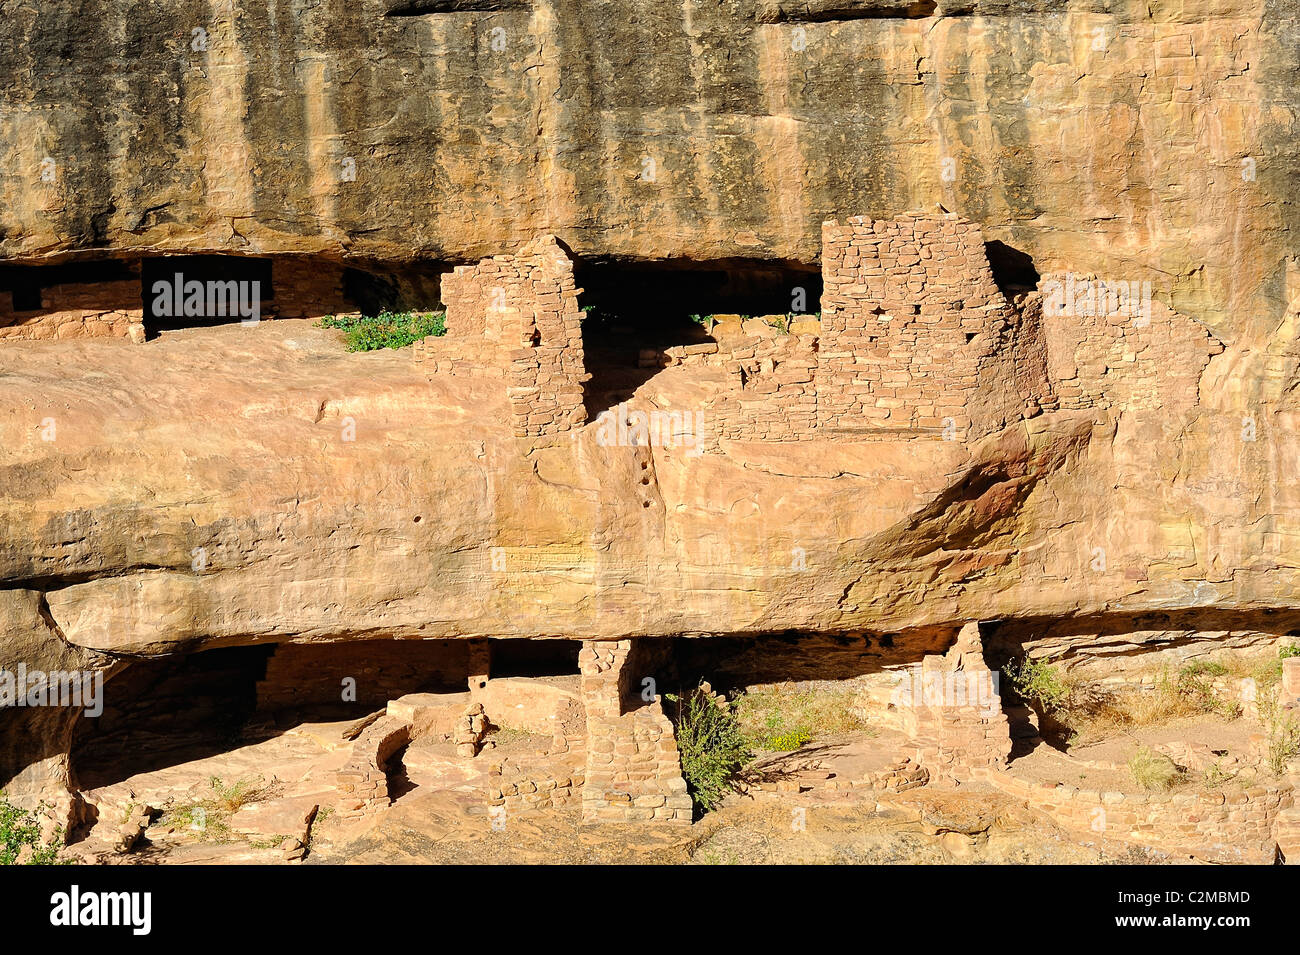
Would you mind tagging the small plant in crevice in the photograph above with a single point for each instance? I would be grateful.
(387, 329)
(714, 750)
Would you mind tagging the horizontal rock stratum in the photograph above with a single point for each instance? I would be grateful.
(1149, 139)
(1098, 465)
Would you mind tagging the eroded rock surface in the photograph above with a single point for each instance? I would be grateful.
(1138, 139)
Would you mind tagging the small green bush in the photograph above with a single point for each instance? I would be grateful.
(784, 742)
(19, 828)
(712, 745)
(1038, 682)
(387, 329)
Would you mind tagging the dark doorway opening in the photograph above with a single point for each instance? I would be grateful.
(1013, 270)
(534, 657)
(634, 308)
(199, 291)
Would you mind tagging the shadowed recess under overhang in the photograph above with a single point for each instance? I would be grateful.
(420, 8)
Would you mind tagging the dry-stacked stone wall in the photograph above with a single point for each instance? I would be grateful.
(521, 312)
(362, 783)
(382, 670)
(914, 339)
(913, 327)
(952, 712)
(1144, 357)
(81, 310)
(1242, 825)
(633, 769)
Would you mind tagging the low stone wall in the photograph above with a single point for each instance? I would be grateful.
(519, 787)
(306, 287)
(773, 388)
(1230, 826)
(363, 781)
(536, 705)
(311, 674)
(81, 310)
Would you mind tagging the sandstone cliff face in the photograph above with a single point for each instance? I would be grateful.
(255, 485)
(1141, 139)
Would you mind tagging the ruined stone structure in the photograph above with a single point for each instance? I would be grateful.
(914, 339)
(953, 712)
(90, 307)
(633, 770)
(522, 309)
(363, 780)
(774, 379)
(915, 333)
(1145, 358)
(98, 310)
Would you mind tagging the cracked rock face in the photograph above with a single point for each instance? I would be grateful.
(1139, 139)
(243, 485)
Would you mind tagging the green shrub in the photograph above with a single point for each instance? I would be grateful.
(387, 329)
(713, 748)
(20, 828)
(1038, 682)
(1153, 771)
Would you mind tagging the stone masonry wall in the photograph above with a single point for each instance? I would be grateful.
(312, 674)
(953, 713)
(523, 311)
(1241, 826)
(1150, 361)
(362, 782)
(914, 339)
(773, 393)
(633, 770)
(913, 327)
(81, 310)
